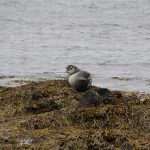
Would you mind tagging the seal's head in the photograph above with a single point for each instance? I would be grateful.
(71, 69)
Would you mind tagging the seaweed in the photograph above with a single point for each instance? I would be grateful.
(46, 115)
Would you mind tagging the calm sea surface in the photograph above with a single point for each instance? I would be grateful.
(109, 38)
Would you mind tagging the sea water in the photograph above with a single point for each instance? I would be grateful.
(110, 39)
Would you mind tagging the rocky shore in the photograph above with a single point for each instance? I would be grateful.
(46, 115)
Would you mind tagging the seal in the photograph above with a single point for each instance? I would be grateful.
(79, 79)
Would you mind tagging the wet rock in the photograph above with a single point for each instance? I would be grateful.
(108, 100)
(103, 91)
(89, 99)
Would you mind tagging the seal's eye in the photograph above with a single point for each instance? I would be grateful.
(70, 68)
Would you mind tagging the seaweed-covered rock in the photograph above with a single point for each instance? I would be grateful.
(45, 115)
(89, 99)
(108, 100)
(103, 91)
(45, 106)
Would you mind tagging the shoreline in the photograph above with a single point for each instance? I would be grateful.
(128, 84)
(45, 115)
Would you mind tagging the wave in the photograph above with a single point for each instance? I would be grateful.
(126, 78)
(6, 77)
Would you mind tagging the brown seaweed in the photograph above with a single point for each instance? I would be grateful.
(45, 115)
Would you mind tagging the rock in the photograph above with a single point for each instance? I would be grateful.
(89, 99)
(103, 91)
(108, 100)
